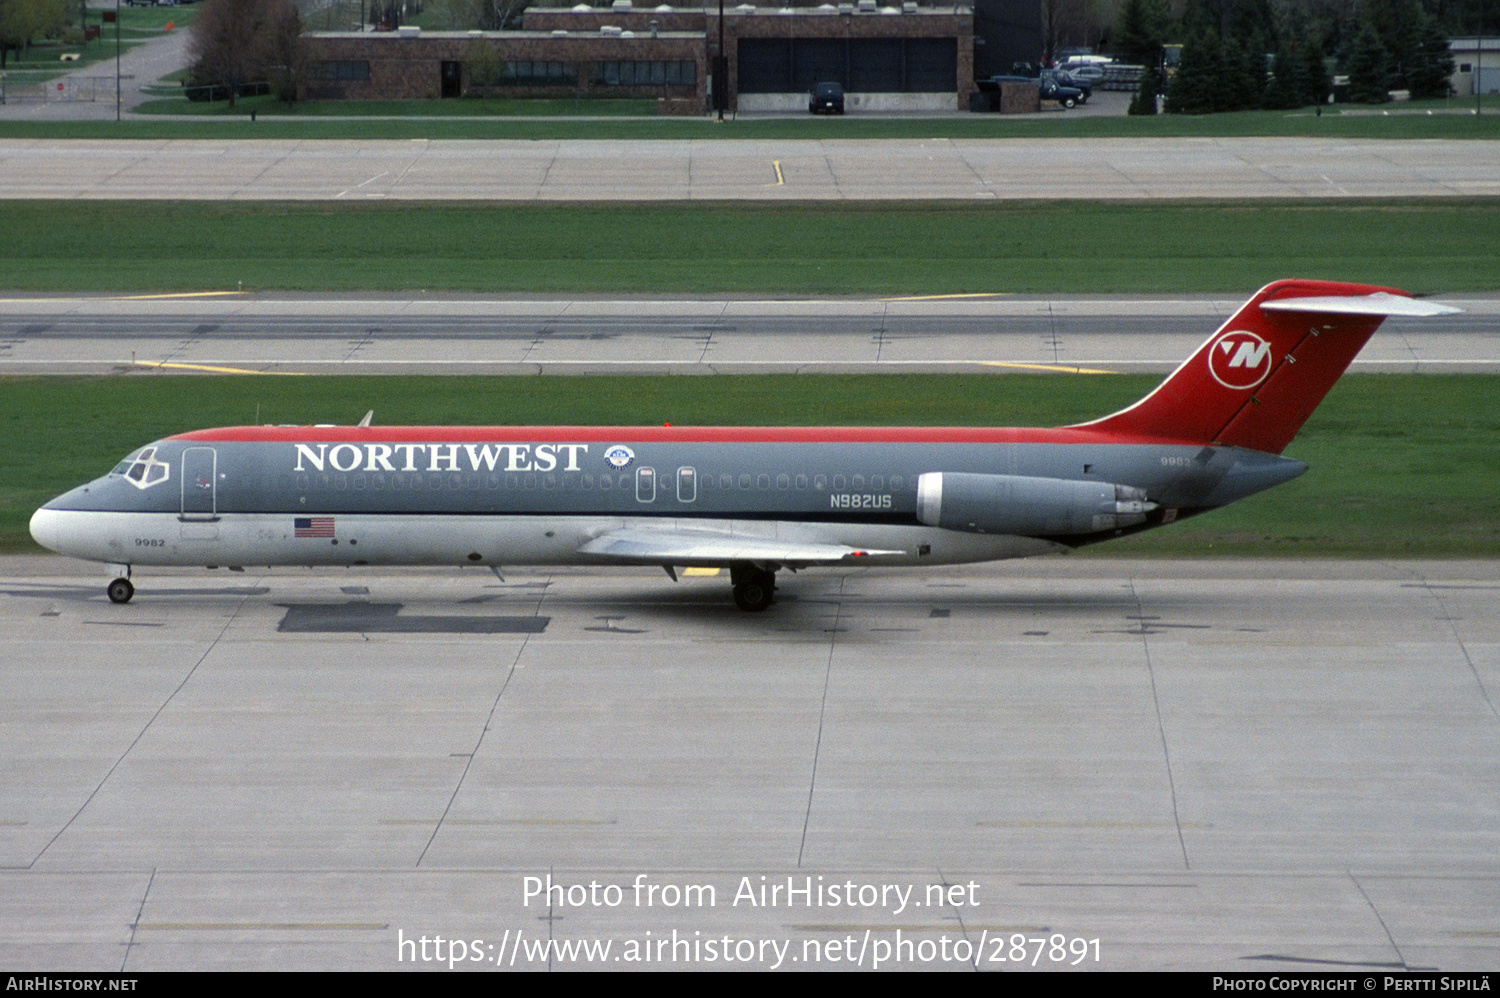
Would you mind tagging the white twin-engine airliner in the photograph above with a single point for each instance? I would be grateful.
(753, 500)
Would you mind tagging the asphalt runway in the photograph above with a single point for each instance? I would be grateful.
(274, 334)
(1091, 762)
(718, 169)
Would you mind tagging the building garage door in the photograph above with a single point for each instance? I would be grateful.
(862, 65)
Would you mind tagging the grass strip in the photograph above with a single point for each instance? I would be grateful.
(868, 248)
(1402, 465)
(438, 120)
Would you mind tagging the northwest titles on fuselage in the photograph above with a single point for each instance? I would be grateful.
(419, 457)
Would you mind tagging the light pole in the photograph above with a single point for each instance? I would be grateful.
(721, 69)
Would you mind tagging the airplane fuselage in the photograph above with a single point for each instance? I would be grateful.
(501, 495)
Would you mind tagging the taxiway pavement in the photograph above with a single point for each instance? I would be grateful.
(1228, 766)
(505, 335)
(718, 169)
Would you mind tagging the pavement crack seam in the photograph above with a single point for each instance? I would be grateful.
(136, 922)
(1446, 615)
(140, 734)
(1376, 912)
(708, 341)
(1161, 728)
(469, 756)
(958, 916)
(489, 719)
(812, 782)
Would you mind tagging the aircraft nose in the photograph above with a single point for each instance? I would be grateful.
(44, 528)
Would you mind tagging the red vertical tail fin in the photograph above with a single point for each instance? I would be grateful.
(1253, 383)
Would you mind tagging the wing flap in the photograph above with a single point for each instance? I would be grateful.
(639, 546)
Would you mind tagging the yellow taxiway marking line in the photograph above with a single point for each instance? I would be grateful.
(215, 370)
(1045, 367)
(700, 571)
(780, 180)
(972, 294)
(177, 294)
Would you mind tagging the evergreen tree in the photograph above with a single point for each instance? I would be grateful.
(1144, 101)
(1367, 66)
(1141, 32)
(1288, 86)
(1234, 89)
(1194, 90)
(1431, 62)
(1315, 76)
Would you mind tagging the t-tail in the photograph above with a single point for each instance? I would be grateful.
(1255, 381)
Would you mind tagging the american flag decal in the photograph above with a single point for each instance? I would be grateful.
(312, 526)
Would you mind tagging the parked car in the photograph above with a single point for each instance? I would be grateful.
(1092, 72)
(826, 98)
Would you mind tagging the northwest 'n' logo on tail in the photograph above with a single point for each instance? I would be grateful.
(1239, 359)
(1257, 379)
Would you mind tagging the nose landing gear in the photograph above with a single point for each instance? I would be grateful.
(121, 589)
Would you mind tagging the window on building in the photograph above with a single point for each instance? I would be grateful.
(645, 73)
(345, 69)
(538, 73)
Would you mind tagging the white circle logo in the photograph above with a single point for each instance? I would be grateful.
(619, 456)
(1239, 359)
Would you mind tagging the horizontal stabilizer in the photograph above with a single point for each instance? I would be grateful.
(1379, 303)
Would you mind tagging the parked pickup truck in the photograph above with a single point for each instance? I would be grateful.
(1048, 88)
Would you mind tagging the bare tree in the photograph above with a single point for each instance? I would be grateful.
(486, 15)
(236, 42)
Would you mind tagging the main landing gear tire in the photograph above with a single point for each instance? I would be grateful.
(753, 597)
(120, 591)
(754, 588)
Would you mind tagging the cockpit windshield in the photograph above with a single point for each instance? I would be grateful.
(143, 469)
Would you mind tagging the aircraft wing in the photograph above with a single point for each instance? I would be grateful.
(679, 546)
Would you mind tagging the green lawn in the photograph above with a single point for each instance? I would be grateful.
(1402, 465)
(1424, 245)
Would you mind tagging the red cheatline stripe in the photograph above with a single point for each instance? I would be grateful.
(656, 434)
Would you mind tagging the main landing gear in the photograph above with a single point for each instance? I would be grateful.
(754, 588)
(121, 589)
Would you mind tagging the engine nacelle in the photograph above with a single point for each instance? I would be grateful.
(1029, 507)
